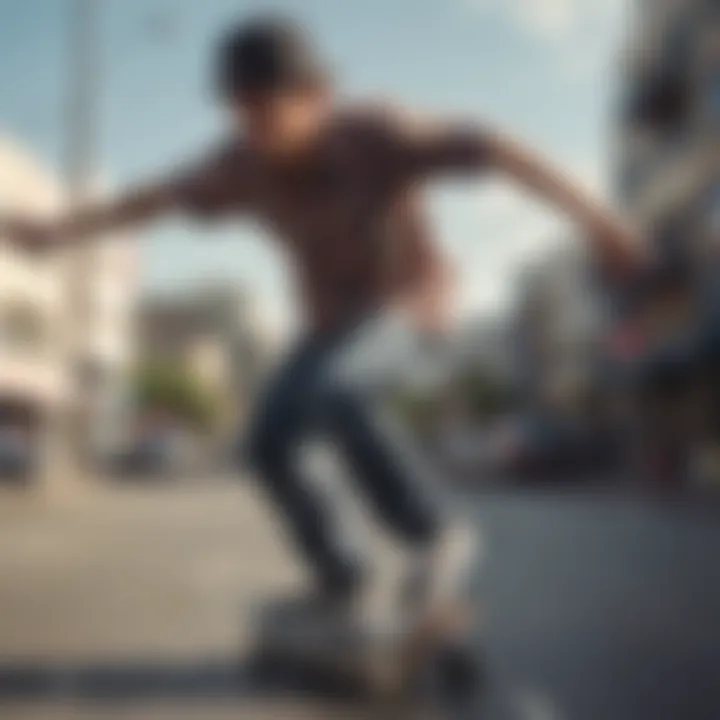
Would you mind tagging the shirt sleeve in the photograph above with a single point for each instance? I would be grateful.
(210, 187)
(419, 147)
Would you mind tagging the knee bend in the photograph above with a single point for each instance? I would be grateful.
(266, 448)
(341, 404)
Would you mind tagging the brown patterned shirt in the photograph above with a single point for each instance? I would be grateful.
(349, 213)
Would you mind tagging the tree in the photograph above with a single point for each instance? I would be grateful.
(476, 394)
(173, 389)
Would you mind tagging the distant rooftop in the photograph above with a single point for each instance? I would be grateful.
(25, 184)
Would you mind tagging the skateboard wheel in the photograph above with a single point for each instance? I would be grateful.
(458, 672)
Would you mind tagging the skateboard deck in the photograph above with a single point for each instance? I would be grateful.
(378, 656)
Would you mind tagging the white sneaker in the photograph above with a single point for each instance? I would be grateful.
(441, 571)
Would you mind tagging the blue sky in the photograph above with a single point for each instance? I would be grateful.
(546, 69)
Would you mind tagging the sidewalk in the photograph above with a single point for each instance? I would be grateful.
(122, 584)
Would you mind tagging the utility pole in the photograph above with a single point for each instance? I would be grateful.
(72, 431)
(84, 95)
(81, 133)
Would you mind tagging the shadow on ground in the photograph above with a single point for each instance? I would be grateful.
(212, 678)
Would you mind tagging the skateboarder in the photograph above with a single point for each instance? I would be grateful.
(340, 188)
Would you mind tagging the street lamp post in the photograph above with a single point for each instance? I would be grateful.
(70, 428)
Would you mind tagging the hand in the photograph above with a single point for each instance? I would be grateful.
(624, 250)
(29, 235)
(430, 309)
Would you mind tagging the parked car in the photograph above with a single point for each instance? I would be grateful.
(17, 455)
(545, 445)
(162, 454)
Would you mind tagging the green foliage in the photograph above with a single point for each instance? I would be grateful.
(477, 394)
(419, 411)
(484, 394)
(172, 389)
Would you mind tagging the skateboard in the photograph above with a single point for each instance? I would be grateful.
(381, 657)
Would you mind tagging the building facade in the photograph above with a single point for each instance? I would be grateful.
(213, 331)
(52, 360)
(668, 163)
(104, 304)
(557, 327)
(668, 181)
(34, 379)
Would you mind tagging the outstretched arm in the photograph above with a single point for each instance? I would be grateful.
(425, 149)
(616, 245)
(137, 206)
(205, 189)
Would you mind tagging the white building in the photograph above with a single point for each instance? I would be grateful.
(47, 357)
(104, 299)
(34, 379)
(557, 326)
(215, 331)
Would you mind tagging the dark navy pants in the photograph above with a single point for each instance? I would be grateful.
(327, 386)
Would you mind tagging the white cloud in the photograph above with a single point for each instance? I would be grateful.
(552, 20)
(581, 36)
(547, 18)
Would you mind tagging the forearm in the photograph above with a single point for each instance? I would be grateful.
(135, 207)
(611, 238)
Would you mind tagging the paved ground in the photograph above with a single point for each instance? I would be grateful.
(144, 594)
(599, 608)
(609, 607)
